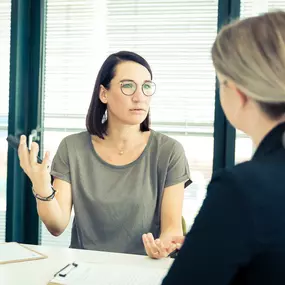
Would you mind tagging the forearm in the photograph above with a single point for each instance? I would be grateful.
(51, 213)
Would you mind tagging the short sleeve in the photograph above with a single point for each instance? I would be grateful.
(60, 165)
(178, 168)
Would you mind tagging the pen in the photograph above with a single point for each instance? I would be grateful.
(173, 253)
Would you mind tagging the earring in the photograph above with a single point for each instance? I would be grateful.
(105, 117)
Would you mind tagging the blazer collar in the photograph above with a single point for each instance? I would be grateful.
(275, 139)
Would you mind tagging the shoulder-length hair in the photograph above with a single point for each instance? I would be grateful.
(97, 109)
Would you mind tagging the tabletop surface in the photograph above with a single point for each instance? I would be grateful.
(39, 272)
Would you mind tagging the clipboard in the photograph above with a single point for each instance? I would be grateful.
(12, 252)
(99, 273)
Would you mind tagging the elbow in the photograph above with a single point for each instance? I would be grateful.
(56, 233)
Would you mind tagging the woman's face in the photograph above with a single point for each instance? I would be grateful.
(125, 99)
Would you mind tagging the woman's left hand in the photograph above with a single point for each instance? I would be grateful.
(158, 248)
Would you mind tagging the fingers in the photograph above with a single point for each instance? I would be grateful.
(33, 154)
(46, 160)
(150, 246)
(162, 247)
(28, 159)
(155, 248)
(163, 252)
(179, 245)
(23, 154)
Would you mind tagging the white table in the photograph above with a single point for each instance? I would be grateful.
(39, 272)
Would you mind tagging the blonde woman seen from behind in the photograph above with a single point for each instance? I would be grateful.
(238, 236)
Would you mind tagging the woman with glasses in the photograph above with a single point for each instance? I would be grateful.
(125, 181)
(238, 236)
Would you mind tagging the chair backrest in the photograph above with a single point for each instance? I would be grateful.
(184, 229)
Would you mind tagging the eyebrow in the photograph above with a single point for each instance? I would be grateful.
(148, 80)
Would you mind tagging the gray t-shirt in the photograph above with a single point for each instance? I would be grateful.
(115, 205)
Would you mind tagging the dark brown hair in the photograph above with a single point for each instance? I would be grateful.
(97, 108)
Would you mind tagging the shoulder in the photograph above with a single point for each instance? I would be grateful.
(76, 139)
(244, 178)
(166, 144)
(70, 144)
(232, 174)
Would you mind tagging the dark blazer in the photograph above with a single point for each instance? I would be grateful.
(238, 237)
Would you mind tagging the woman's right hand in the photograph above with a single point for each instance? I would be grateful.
(38, 173)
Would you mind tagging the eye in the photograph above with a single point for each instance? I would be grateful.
(127, 85)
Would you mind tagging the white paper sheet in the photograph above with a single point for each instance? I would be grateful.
(12, 251)
(111, 274)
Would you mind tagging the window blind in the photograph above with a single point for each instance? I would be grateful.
(174, 36)
(5, 18)
(254, 7)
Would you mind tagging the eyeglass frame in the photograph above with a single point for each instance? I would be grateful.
(129, 80)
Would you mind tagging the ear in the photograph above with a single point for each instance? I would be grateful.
(243, 98)
(103, 94)
(240, 94)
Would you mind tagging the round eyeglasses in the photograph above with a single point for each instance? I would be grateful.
(129, 87)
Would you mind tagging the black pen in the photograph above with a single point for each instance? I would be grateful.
(173, 253)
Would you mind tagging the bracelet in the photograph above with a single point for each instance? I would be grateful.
(49, 198)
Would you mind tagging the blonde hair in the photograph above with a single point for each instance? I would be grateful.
(251, 52)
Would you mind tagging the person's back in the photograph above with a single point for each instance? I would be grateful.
(261, 182)
(238, 237)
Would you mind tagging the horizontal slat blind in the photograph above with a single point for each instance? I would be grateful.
(255, 7)
(174, 36)
(74, 52)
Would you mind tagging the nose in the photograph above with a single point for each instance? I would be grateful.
(138, 96)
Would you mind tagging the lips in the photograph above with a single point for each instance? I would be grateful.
(137, 109)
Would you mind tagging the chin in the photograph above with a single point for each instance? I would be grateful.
(134, 122)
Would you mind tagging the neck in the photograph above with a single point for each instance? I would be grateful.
(122, 134)
(262, 127)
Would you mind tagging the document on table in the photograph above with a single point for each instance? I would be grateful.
(11, 252)
(110, 274)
